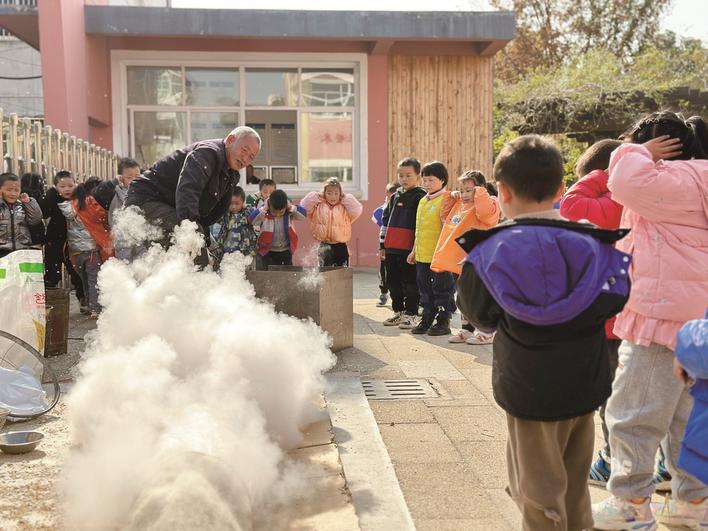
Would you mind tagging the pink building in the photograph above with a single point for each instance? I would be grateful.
(332, 93)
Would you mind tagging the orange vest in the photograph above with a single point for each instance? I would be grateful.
(483, 213)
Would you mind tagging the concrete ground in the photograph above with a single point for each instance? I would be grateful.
(449, 452)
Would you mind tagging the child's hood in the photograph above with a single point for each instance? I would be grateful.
(547, 272)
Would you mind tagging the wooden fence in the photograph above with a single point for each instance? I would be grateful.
(440, 108)
(28, 146)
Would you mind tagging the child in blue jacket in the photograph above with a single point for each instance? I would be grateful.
(691, 367)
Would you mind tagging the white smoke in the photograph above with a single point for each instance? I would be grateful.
(131, 228)
(190, 392)
(312, 280)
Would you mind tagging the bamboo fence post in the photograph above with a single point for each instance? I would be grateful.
(12, 144)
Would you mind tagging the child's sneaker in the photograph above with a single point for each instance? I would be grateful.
(383, 299)
(84, 307)
(480, 338)
(394, 320)
(683, 513)
(599, 472)
(408, 321)
(461, 336)
(662, 477)
(617, 514)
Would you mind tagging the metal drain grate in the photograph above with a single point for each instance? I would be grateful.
(408, 389)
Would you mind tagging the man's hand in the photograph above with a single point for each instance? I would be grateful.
(680, 373)
(24, 198)
(411, 257)
(382, 255)
(664, 147)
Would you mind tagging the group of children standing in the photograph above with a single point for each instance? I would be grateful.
(549, 285)
(420, 257)
(261, 225)
(77, 233)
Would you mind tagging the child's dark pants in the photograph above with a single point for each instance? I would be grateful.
(277, 258)
(333, 254)
(383, 286)
(437, 291)
(400, 276)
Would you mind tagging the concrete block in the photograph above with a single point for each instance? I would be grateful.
(325, 296)
(443, 492)
(486, 524)
(401, 411)
(465, 391)
(318, 461)
(492, 474)
(317, 433)
(430, 368)
(476, 423)
(418, 443)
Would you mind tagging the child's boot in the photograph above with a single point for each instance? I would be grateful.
(441, 326)
(422, 327)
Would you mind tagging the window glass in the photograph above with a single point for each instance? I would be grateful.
(328, 87)
(158, 134)
(207, 125)
(212, 87)
(267, 87)
(154, 85)
(326, 146)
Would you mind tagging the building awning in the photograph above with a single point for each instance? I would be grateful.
(386, 32)
(22, 21)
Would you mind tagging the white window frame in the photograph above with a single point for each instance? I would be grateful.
(121, 59)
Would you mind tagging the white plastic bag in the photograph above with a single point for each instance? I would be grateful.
(21, 392)
(22, 311)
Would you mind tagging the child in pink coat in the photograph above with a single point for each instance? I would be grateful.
(661, 179)
(331, 214)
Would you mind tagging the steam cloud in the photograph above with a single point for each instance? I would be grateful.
(190, 392)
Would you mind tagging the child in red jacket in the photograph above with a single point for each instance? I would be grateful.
(590, 199)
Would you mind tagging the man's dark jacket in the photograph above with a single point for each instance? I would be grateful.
(196, 180)
(546, 287)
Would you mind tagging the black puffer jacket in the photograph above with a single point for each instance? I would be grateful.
(56, 228)
(547, 287)
(196, 180)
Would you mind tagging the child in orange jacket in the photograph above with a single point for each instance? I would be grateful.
(470, 207)
(331, 214)
(88, 238)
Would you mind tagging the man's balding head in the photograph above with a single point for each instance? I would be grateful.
(242, 147)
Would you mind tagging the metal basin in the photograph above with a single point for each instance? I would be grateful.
(20, 442)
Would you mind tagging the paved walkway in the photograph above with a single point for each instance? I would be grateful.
(449, 452)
